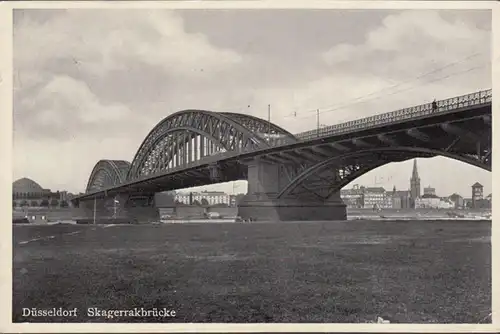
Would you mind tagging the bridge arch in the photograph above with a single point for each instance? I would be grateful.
(258, 125)
(107, 173)
(190, 135)
(350, 166)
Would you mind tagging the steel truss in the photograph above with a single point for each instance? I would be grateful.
(107, 173)
(192, 135)
(328, 177)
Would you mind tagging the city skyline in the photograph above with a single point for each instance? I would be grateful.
(82, 103)
(352, 185)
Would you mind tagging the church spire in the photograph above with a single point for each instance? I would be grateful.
(414, 174)
(414, 183)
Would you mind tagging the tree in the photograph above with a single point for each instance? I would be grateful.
(204, 202)
(195, 202)
(54, 202)
(34, 203)
(64, 204)
(44, 203)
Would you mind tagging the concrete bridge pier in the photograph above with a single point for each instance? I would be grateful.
(261, 203)
(88, 209)
(134, 208)
(139, 208)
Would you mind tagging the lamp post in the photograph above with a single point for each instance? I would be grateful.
(95, 202)
(268, 122)
(115, 201)
(317, 122)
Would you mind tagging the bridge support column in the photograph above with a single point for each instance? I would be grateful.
(123, 207)
(138, 208)
(91, 210)
(261, 203)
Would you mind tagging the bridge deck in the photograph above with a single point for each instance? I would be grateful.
(461, 108)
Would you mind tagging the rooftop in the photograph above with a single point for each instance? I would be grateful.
(26, 185)
(375, 189)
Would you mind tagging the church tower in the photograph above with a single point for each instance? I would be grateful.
(414, 183)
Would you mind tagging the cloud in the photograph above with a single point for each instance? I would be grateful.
(413, 41)
(66, 108)
(105, 40)
(56, 62)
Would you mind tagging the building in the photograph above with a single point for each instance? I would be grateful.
(401, 199)
(414, 184)
(27, 189)
(458, 201)
(28, 193)
(477, 194)
(429, 201)
(489, 198)
(353, 198)
(203, 198)
(467, 203)
(429, 191)
(376, 198)
(182, 198)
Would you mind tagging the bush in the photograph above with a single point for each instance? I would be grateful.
(34, 203)
(54, 202)
(64, 204)
(44, 203)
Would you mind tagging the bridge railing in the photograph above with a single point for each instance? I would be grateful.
(471, 99)
(442, 106)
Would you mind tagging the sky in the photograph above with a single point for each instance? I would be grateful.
(90, 84)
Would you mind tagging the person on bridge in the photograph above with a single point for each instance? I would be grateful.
(434, 105)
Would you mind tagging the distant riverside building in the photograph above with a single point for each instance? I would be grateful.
(457, 200)
(477, 194)
(28, 193)
(204, 197)
(414, 184)
(477, 200)
(401, 199)
(429, 191)
(489, 198)
(376, 197)
(366, 197)
(429, 201)
(353, 198)
(28, 189)
(182, 198)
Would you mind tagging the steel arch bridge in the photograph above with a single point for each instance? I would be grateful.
(187, 137)
(185, 148)
(327, 177)
(107, 173)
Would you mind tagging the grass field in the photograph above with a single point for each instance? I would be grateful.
(409, 272)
